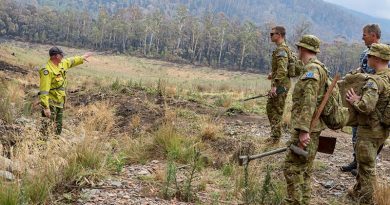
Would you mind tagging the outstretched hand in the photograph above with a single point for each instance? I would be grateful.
(87, 55)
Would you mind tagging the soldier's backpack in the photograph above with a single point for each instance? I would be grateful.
(335, 115)
(357, 81)
(294, 66)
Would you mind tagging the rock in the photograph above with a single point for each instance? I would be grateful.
(338, 194)
(329, 184)
(116, 183)
(23, 121)
(91, 191)
(143, 172)
(7, 175)
(8, 165)
(155, 162)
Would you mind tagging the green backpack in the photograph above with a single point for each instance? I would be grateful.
(295, 66)
(335, 115)
(357, 81)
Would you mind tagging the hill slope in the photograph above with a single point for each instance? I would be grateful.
(327, 20)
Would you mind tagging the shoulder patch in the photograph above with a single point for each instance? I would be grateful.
(282, 53)
(310, 75)
(370, 84)
(45, 72)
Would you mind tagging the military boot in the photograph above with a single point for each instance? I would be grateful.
(351, 166)
(354, 172)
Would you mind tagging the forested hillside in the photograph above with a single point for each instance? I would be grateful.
(328, 20)
(176, 34)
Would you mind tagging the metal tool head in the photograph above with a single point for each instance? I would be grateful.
(297, 150)
(326, 144)
(243, 160)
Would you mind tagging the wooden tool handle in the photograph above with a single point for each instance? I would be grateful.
(318, 112)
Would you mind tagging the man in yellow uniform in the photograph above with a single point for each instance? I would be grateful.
(53, 83)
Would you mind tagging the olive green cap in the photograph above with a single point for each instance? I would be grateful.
(380, 50)
(310, 42)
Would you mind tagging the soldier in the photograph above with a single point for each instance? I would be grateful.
(371, 134)
(306, 97)
(53, 83)
(371, 34)
(280, 82)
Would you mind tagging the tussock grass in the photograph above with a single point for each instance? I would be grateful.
(98, 117)
(86, 164)
(11, 101)
(9, 193)
(136, 151)
(382, 194)
(259, 188)
(168, 142)
(210, 130)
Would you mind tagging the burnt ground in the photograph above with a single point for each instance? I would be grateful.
(6, 67)
(329, 183)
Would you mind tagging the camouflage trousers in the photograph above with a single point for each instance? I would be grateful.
(366, 152)
(275, 108)
(298, 171)
(56, 117)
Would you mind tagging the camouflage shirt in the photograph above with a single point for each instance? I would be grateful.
(307, 95)
(279, 67)
(375, 95)
(364, 62)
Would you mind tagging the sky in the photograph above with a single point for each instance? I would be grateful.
(376, 8)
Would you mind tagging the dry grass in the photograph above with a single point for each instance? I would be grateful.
(382, 194)
(98, 117)
(146, 70)
(209, 130)
(11, 101)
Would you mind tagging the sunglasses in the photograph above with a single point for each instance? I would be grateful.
(271, 34)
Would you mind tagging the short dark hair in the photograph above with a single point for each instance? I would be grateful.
(281, 30)
(373, 28)
(307, 50)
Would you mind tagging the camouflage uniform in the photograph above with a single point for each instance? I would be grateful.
(371, 134)
(281, 81)
(307, 92)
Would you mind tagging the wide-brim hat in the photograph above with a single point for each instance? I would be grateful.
(310, 42)
(380, 50)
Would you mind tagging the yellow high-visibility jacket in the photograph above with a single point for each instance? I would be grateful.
(53, 81)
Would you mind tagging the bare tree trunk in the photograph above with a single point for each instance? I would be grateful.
(150, 42)
(146, 37)
(101, 37)
(179, 39)
(194, 53)
(221, 46)
(123, 44)
(157, 45)
(242, 56)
